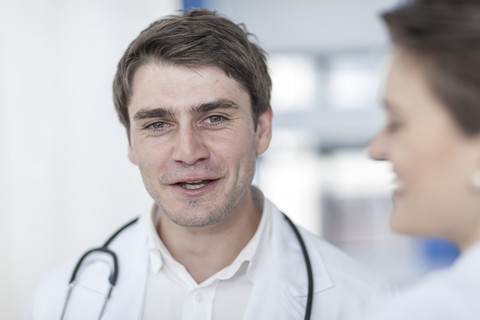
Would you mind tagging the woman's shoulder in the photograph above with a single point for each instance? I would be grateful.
(438, 296)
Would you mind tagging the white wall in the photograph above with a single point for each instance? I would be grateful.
(65, 181)
(310, 25)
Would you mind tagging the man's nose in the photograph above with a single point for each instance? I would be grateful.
(189, 146)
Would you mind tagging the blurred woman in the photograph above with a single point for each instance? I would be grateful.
(432, 139)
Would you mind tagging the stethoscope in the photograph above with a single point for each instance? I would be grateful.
(112, 279)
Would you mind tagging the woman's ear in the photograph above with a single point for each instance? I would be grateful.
(476, 173)
(476, 179)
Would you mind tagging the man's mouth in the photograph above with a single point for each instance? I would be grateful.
(193, 185)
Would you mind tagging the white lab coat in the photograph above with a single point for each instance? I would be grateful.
(450, 294)
(342, 287)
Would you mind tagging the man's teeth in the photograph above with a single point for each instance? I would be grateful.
(192, 185)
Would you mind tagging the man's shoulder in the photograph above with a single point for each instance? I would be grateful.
(51, 292)
(349, 277)
(339, 264)
(128, 233)
(332, 268)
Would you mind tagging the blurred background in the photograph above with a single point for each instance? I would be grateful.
(66, 183)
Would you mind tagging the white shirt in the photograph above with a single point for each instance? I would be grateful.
(343, 288)
(450, 294)
(172, 293)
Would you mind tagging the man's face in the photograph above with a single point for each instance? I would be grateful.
(193, 139)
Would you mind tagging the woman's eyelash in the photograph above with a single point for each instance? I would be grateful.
(393, 126)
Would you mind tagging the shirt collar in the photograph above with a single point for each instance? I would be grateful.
(250, 254)
(157, 249)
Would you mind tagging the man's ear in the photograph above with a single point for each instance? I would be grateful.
(131, 156)
(264, 130)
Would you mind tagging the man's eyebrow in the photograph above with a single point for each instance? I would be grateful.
(218, 104)
(143, 114)
(152, 113)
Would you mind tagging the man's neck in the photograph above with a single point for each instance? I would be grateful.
(205, 251)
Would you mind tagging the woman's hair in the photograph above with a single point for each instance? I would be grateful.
(196, 38)
(445, 35)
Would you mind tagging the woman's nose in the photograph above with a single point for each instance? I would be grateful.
(377, 148)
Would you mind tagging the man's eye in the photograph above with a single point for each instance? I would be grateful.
(215, 119)
(157, 125)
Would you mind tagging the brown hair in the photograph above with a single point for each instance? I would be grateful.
(445, 34)
(196, 38)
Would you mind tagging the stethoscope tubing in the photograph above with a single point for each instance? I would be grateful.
(114, 274)
(308, 265)
(112, 279)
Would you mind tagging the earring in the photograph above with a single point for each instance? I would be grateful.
(476, 179)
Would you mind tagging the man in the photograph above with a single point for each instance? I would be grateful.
(194, 95)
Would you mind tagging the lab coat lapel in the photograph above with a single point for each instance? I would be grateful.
(270, 297)
(90, 290)
(281, 287)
